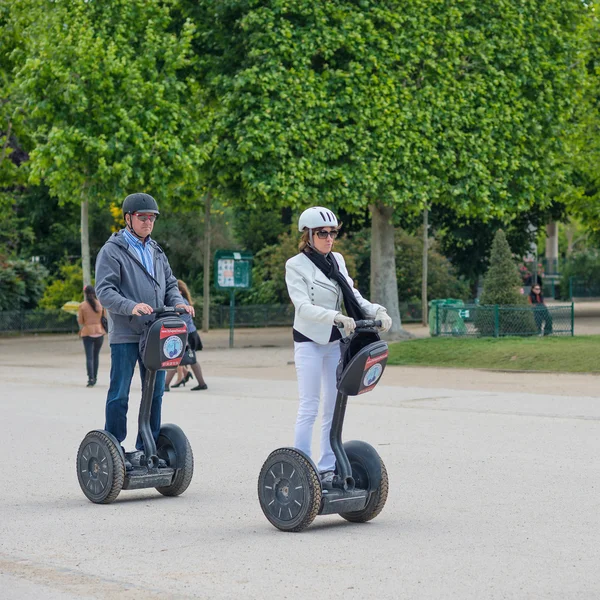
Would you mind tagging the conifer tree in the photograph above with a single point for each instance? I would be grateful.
(504, 309)
(502, 283)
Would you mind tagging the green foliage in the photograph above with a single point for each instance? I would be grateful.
(442, 281)
(101, 87)
(458, 103)
(257, 228)
(584, 268)
(21, 284)
(67, 286)
(583, 145)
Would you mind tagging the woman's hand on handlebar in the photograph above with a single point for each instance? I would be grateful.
(142, 309)
(386, 320)
(344, 322)
(188, 309)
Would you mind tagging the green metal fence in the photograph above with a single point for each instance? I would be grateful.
(475, 320)
(37, 321)
(261, 315)
(580, 288)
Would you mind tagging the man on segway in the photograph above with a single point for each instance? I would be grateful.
(133, 277)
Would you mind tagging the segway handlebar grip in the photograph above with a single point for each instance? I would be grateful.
(168, 310)
(367, 323)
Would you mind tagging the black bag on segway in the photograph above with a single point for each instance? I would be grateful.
(362, 361)
(162, 343)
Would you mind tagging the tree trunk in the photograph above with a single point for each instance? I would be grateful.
(207, 261)
(424, 273)
(384, 285)
(552, 248)
(85, 242)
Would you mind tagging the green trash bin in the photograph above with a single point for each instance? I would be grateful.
(445, 317)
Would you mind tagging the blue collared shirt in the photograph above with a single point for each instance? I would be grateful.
(142, 249)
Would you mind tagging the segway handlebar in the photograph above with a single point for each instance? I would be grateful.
(364, 324)
(166, 310)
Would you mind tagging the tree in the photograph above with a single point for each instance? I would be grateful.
(583, 197)
(102, 87)
(67, 287)
(390, 105)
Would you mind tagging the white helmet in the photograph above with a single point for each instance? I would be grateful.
(316, 216)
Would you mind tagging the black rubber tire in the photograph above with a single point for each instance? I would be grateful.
(183, 475)
(283, 475)
(97, 451)
(378, 497)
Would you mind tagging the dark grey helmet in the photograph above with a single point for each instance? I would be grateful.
(140, 203)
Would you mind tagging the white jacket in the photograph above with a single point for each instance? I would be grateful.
(318, 299)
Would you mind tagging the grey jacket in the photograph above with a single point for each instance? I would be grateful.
(122, 282)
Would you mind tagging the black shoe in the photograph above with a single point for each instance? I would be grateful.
(167, 388)
(188, 376)
(181, 383)
(327, 479)
(136, 458)
(90, 383)
(199, 387)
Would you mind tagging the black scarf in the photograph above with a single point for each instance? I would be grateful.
(329, 267)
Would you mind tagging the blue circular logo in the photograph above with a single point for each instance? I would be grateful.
(173, 346)
(372, 375)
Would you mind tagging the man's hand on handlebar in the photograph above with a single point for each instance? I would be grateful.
(188, 309)
(142, 309)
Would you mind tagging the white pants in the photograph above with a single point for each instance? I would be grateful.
(316, 363)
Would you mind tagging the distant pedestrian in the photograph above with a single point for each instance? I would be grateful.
(194, 345)
(541, 313)
(92, 332)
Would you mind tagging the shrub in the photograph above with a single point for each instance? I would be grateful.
(21, 284)
(67, 286)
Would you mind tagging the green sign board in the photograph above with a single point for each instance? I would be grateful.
(233, 270)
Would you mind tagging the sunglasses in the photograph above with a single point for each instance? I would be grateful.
(322, 235)
(144, 218)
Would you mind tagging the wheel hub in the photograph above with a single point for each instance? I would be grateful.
(282, 491)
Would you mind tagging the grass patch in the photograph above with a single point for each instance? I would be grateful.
(566, 354)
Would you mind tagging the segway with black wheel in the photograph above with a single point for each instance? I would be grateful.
(290, 491)
(167, 465)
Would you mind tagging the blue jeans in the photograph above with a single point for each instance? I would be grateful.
(123, 358)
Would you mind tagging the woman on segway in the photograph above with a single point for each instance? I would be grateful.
(317, 282)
